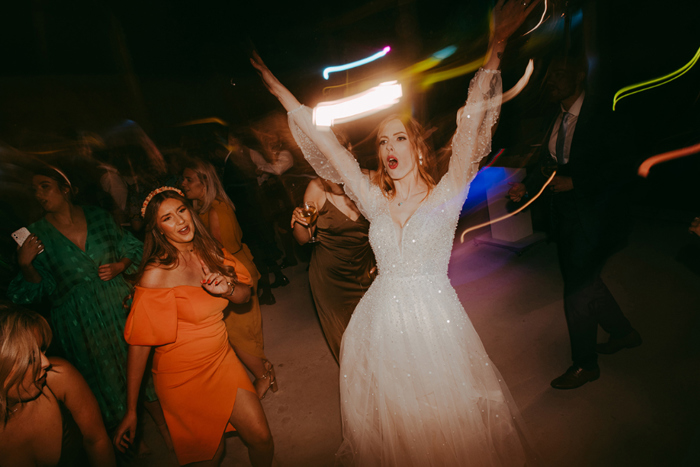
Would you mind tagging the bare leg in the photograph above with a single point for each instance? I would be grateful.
(249, 420)
(156, 412)
(256, 365)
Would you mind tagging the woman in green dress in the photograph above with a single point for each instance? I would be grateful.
(76, 256)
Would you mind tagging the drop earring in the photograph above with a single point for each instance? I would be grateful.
(420, 159)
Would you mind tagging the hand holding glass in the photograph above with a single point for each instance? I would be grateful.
(310, 214)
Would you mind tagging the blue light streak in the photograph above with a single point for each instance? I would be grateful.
(364, 61)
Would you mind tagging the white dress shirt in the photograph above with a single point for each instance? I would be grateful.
(572, 118)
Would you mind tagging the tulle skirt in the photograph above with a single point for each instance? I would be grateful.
(416, 385)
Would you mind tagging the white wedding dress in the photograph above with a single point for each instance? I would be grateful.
(416, 385)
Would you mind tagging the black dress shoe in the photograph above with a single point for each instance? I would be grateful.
(267, 299)
(633, 339)
(280, 280)
(575, 377)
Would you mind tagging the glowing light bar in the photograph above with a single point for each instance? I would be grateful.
(646, 85)
(364, 61)
(326, 114)
(666, 156)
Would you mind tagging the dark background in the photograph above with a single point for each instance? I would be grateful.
(90, 64)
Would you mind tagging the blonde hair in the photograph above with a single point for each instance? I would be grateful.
(24, 335)
(419, 147)
(213, 189)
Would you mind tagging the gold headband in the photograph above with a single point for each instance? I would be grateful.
(155, 192)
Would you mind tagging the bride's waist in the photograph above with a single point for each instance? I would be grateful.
(414, 276)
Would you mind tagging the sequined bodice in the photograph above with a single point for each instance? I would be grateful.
(424, 244)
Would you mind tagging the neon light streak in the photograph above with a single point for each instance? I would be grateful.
(510, 214)
(452, 73)
(364, 61)
(495, 158)
(646, 85)
(326, 114)
(666, 156)
(429, 62)
(520, 85)
(541, 19)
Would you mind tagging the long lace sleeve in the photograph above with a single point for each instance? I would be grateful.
(329, 158)
(475, 121)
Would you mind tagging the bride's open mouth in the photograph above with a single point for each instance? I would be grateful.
(392, 162)
(184, 231)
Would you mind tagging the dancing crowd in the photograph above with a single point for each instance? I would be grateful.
(156, 260)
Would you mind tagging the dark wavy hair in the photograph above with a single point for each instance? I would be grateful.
(159, 252)
(418, 147)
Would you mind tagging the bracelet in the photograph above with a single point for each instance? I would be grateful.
(233, 287)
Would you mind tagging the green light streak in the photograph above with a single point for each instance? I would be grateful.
(646, 85)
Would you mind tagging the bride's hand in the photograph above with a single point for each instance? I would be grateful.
(274, 85)
(509, 15)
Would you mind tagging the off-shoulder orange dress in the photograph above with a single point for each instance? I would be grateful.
(195, 371)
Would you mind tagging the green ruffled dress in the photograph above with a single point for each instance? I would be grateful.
(87, 314)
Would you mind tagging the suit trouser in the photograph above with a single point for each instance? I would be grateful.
(587, 301)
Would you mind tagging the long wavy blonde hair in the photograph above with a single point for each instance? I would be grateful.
(213, 189)
(419, 147)
(24, 335)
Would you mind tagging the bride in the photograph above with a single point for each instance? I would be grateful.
(416, 385)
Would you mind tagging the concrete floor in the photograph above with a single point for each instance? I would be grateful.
(643, 411)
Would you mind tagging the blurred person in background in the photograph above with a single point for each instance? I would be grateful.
(273, 162)
(201, 184)
(240, 182)
(586, 147)
(48, 415)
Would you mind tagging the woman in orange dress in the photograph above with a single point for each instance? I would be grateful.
(184, 283)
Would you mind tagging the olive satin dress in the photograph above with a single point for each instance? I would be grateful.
(339, 271)
(244, 321)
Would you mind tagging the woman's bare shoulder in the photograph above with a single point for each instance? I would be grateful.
(154, 276)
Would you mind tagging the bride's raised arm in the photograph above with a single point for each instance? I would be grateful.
(326, 155)
(475, 121)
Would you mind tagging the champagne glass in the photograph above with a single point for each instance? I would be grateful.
(310, 214)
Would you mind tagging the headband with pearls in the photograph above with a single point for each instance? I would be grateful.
(155, 192)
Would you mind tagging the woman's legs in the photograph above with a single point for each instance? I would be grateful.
(249, 420)
(258, 367)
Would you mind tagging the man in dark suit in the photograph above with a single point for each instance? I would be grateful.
(585, 212)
